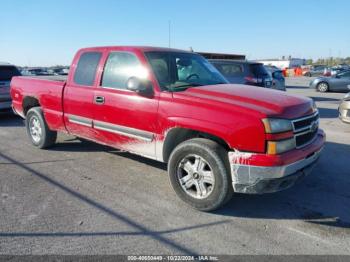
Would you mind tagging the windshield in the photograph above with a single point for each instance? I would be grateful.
(7, 72)
(177, 71)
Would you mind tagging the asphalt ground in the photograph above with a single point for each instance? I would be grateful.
(83, 198)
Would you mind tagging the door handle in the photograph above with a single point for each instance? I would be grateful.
(100, 100)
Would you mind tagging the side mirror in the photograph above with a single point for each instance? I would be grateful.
(140, 86)
(337, 76)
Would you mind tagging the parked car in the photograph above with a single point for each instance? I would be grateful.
(39, 72)
(243, 72)
(344, 109)
(278, 81)
(60, 71)
(316, 70)
(26, 72)
(339, 83)
(331, 71)
(7, 71)
(175, 107)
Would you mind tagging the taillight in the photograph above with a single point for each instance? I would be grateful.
(254, 80)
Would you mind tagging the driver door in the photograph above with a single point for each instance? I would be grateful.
(122, 118)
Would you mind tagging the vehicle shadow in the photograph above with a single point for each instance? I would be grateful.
(10, 120)
(82, 145)
(321, 198)
(328, 112)
(297, 87)
(78, 145)
(136, 227)
(324, 99)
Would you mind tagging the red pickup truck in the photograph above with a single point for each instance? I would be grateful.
(174, 106)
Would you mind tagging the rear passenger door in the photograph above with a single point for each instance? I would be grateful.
(79, 94)
(123, 118)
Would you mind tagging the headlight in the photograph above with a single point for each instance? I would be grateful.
(278, 147)
(274, 125)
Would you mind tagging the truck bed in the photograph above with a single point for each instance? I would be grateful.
(46, 92)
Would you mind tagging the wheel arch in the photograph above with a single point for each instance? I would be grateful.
(177, 135)
(28, 103)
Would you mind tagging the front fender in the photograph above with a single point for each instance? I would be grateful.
(243, 134)
(215, 129)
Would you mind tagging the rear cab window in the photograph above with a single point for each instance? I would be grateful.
(85, 72)
(230, 69)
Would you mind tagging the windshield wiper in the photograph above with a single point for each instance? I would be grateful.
(185, 86)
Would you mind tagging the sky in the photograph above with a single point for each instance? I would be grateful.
(44, 32)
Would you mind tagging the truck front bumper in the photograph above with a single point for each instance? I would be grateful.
(259, 179)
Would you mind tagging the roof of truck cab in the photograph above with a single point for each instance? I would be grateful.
(138, 48)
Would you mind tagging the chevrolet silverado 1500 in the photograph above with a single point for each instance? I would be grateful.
(175, 107)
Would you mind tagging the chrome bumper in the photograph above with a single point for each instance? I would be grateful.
(265, 179)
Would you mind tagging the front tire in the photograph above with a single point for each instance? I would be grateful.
(38, 130)
(199, 174)
(323, 87)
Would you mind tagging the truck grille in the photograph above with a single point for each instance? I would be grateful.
(305, 129)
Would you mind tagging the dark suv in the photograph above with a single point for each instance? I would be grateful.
(243, 72)
(7, 71)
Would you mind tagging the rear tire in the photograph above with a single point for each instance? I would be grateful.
(38, 130)
(199, 174)
(322, 87)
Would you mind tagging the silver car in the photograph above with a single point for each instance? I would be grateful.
(340, 83)
(344, 109)
(7, 71)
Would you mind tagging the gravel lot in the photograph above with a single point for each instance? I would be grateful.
(83, 198)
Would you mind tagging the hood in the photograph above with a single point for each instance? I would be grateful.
(258, 100)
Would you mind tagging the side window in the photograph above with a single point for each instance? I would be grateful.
(120, 66)
(160, 67)
(347, 74)
(344, 74)
(230, 70)
(86, 68)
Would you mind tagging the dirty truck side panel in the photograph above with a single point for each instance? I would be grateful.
(126, 119)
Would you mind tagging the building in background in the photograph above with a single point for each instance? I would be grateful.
(284, 63)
